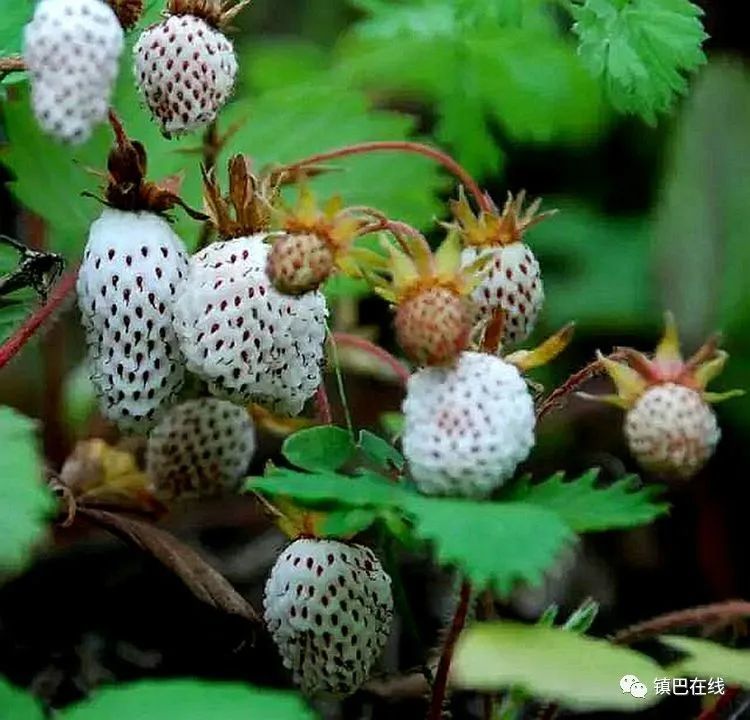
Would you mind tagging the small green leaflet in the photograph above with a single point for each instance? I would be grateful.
(25, 502)
(578, 672)
(329, 489)
(642, 49)
(707, 659)
(15, 704)
(380, 451)
(584, 507)
(189, 700)
(319, 448)
(494, 545)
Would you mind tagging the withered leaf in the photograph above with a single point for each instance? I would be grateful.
(205, 582)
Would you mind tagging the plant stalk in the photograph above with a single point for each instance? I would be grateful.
(440, 687)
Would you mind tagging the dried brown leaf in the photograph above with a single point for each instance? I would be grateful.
(207, 584)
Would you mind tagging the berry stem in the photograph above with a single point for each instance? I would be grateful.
(340, 382)
(24, 333)
(714, 616)
(11, 63)
(406, 146)
(323, 405)
(359, 343)
(441, 677)
(556, 399)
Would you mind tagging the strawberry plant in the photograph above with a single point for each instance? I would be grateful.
(268, 239)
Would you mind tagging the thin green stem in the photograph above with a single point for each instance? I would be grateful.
(340, 382)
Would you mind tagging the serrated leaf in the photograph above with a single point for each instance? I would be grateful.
(25, 502)
(16, 704)
(707, 659)
(367, 490)
(346, 523)
(319, 448)
(585, 507)
(380, 450)
(642, 49)
(189, 700)
(578, 672)
(519, 541)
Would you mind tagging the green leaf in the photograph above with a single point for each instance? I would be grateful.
(642, 49)
(493, 544)
(15, 704)
(527, 81)
(586, 507)
(345, 523)
(393, 423)
(707, 659)
(380, 451)
(189, 700)
(14, 14)
(578, 672)
(367, 490)
(319, 448)
(25, 502)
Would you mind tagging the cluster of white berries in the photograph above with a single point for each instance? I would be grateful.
(184, 66)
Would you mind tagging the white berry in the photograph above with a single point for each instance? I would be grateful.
(467, 427)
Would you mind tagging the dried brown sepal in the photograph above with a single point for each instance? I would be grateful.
(127, 187)
(128, 12)
(247, 208)
(219, 13)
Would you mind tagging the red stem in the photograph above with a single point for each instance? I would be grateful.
(16, 342)
(354, 341)
(323, 405)
(441, 678)
(439, 156)
(716, 711)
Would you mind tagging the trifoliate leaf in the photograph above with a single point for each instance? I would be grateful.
(380, 451)
(578, 672)
(25, 502)
(494, 545)
(319, 448)
(15, 704)
(189, 700)
(585, 506)
(642, 49)
(367, 490)
(707, 659)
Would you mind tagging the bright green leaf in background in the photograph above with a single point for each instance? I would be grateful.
(13, 16)
(485, 66)
(25, 502)
(586, 506)
(494, 545)
(578, 672)
(190, 700)
(319, 448)
(706, 659)
(16, 704)
(642, 49)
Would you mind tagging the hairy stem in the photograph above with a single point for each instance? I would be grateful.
(406, 146)
(440, 686)
(323, 405)
(354, 341)
(556, 399)
(709, 617)
(340, 383)
(29, 328)
(11, 63)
